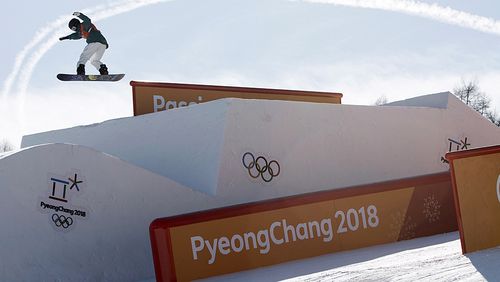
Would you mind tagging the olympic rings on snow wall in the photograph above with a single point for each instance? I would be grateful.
(261, 167)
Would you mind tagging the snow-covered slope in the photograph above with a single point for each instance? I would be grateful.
(435, 258)
(95, 230)
(120, 200)
(124, 173)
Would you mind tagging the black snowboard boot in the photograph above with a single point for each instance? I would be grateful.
(80, 70)
(103, 70)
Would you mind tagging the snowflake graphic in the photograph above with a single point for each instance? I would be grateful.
(432, 209)
(396, 222)
(408, 230)
(401, 227)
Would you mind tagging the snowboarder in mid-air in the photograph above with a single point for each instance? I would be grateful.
(96, 46)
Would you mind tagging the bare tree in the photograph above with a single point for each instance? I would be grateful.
(493, 117)
(481, 103)
(5, 146)
(469, 93)
(381, 101)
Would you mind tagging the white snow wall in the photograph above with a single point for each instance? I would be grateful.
(318, 146)
(190, 159)
(111, 243)
(322, 146)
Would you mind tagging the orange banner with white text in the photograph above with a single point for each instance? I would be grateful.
(253, 235)
(151, 97)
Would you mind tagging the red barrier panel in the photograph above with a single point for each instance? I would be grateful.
(476, 187)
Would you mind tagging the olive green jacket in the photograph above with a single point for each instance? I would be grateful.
(87, 28)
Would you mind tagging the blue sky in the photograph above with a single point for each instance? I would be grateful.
(331, 46)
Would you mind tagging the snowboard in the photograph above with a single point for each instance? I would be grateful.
(90, 77)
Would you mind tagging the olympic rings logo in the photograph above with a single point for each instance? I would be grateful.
(62, 221)
(261, 167)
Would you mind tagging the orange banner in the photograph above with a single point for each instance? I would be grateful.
(248, 236)
(150, 97)
(476, 182)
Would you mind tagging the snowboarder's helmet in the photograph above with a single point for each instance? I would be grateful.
(74, 24)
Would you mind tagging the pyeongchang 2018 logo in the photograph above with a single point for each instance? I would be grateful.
(58, 200)
(260, 167)
(498, 188)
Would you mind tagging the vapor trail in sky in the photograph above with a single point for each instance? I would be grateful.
(44, 39)
(39, 36)
(54, 29)
(49, 35)
(431, 11)
(95, 14)
(22, 55)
